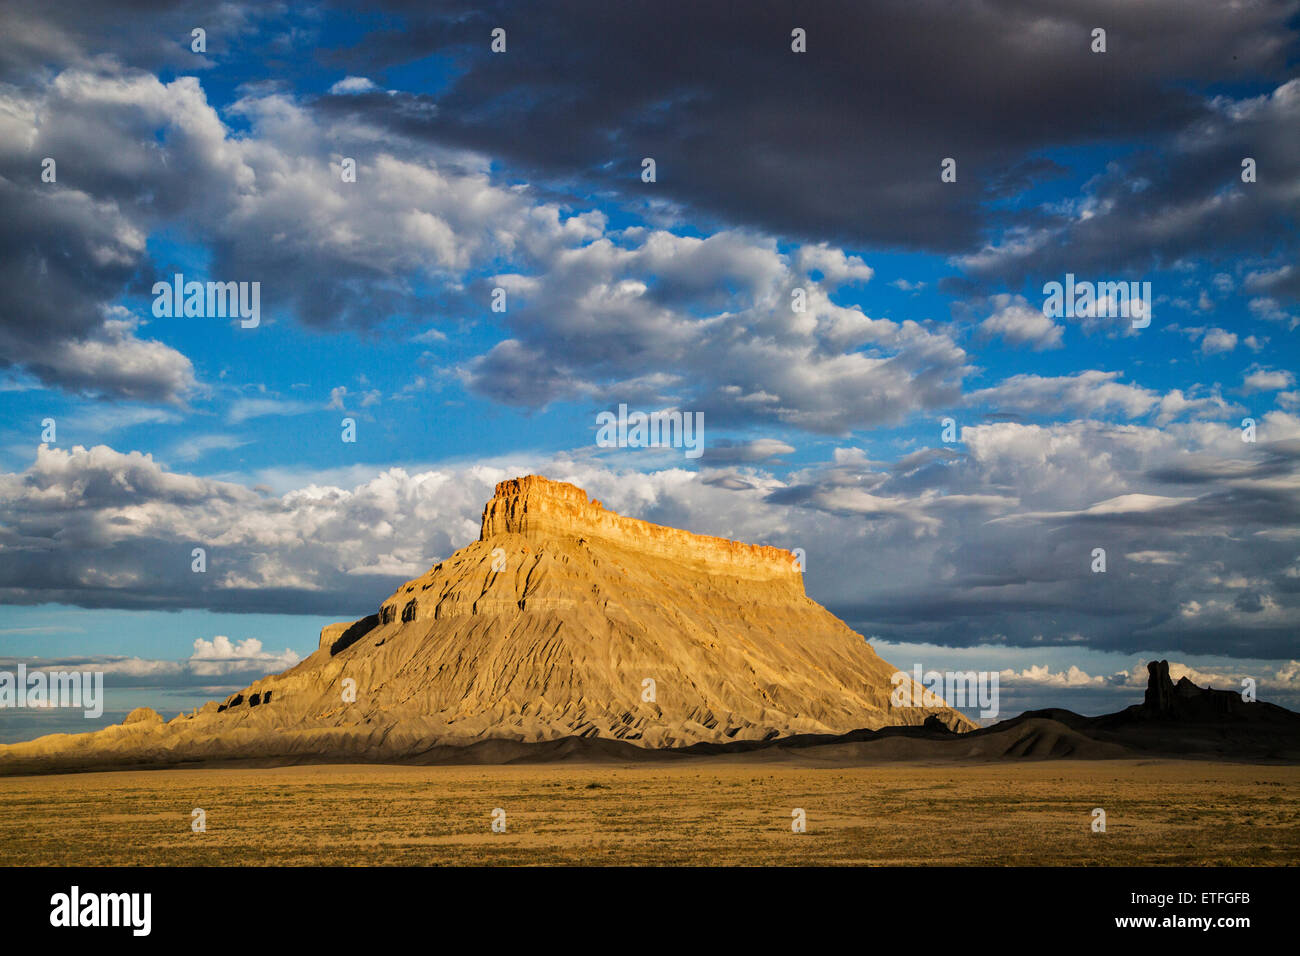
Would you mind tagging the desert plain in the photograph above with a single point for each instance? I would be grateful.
(731, 810)
(514, 679)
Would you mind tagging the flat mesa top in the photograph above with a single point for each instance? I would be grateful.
(533, 505)
(541, 486)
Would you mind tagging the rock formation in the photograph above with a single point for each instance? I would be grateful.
(564, 619)
(1180, 719)
(1159, 698)
(1186, 702)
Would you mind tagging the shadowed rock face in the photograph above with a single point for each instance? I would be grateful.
(1180, 719)
(1186, 702)
(1159, 697)
(564, 619)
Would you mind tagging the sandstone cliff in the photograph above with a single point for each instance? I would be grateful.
(563, 619)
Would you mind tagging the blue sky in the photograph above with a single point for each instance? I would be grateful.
(520, 170)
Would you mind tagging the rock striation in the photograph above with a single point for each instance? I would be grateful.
(538, 508)
(564, 619)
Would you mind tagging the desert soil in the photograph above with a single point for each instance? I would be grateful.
(716, 811)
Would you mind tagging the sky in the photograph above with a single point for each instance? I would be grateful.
(947, 451)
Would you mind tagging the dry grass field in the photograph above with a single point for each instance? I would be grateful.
(711, 811)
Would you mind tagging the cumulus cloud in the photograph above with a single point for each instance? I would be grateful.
(220, 656)
(1042, 675)
(747, 322)
(1095, 393)
(102, 528)
(752, 335)
(78, 241)
(592, 312)
(353, 84)
(1074, 688)
(990, 542)
(1267, 380)
(63, 255)
(1016, 322)
(230, 662)
(269, 205)
(1269, 309)
(1198, 402)
(1091, 392)
(1218, 340)
(1284, 678)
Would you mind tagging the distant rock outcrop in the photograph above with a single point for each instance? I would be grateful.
(1188, 703)
(143, 715)
(563, 620)
(1160, 689)
(1182, 718)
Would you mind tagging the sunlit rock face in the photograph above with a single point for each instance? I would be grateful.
(564, 619)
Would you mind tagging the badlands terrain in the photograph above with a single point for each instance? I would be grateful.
(614, 692)
(564, 620)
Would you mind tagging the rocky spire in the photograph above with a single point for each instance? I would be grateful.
(1160, 689)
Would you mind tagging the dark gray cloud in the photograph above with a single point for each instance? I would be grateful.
(149, 34)
(839, 144)
(72, 245)
(63, 256)
(98, 528)
(758, 449)
(633, 314)
(758, 148)
(1180, 199)
(996, 546)
(134, 155)
(844, 142)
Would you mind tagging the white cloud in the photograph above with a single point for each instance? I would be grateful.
(1284, 678)
(1269, 309)
(1217, 341)
(1267, 380)
(1090, 392)
(222, 656)
(353, 84)
(244, 409)
(608, 316)
(1016, 322)
(191, 449)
